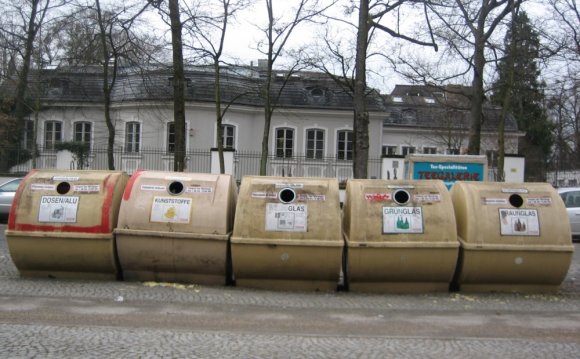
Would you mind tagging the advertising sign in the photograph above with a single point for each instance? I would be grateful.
(448, 172)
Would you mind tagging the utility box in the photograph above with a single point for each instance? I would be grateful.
(61, 224)
(401, 236)
(175, 227)
(515, 237)
(287, 234)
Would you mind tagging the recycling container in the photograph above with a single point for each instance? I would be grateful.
(175, 227)
(287, 234)
(401, 236)
(61, 224)
(514, 237)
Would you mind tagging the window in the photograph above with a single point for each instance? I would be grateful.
(52, 134)
(315, 144)
(229, 136)
(82, 132)
(344, 145)
(132, 136)
(409, 116)
(171, 137)
(389, 150)
(429, 150)
(284, 142)
(28, 135)
(571, 199)
(452, 151)
(407, 150)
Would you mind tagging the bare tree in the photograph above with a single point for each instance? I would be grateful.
(277, 34)
(370, 15)
(208, 31)
(467, 27)
(18, 37)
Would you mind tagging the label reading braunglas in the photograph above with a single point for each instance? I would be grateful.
(402, 220)
(519, 222)
(171, 210)
(281, 217)
(58, 209)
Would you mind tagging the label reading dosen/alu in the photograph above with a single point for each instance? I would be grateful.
(58, 209)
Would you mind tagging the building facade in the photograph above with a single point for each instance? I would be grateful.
(311, 129)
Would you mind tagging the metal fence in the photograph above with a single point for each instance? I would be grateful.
(198, 161)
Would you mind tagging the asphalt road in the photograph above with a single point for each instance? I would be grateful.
(90, 319)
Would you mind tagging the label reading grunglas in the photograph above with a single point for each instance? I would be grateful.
(402, 220)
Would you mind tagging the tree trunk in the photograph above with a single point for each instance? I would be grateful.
(477, 97)
(361, 115)
(178, 86)
(219, 117)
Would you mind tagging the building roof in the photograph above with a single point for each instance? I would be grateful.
(406, 106)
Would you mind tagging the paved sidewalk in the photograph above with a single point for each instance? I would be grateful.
(89, 319)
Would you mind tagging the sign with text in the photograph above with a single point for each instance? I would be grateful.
(448, 172)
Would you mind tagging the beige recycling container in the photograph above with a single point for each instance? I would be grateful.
(175, 227)
(514, 237)
(401, 236)
(287, 234)
(61, 224)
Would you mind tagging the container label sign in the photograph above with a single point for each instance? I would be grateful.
(265, 195)
(494, 201)
(66, 178)
(289, 185)
(153, 187)
(286, 217)
(58, 209)
(42, 187)
(427, 197)
(311, 197)
(377, 196)
(402, 220)
(171, 210)
(519, 222)
(448, 172)
(199, 190)
(87, 188)
(539, 201)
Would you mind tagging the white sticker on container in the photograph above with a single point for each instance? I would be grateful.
(171, 210)
(58, 209)
(289, 185)
(514, 190)
(494, 201)
(539, 201)
(286, 217)
(402, 220)
(271, 195)
(65, 178)
(311, 197)
(87, 188)
(427, 197)
(519, 222)
(199, 190)
(42, 187)
(377, 196)
(153, 187)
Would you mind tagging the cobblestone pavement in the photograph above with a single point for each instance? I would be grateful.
(91, 319)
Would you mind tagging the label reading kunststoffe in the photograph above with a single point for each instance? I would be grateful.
(171, 210)
(286, 217)
(519, 222)
(58, 209)
(402, 220)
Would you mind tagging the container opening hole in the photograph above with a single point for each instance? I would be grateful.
(63, 188)
(401, 197)
(516, 200)
(287, 195)
(175, 187)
